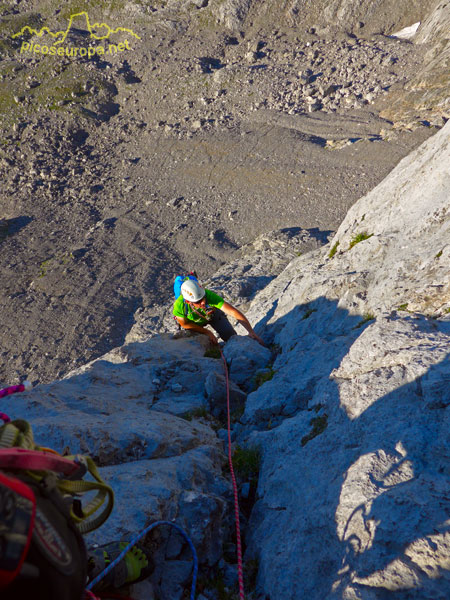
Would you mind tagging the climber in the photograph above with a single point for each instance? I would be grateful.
(197, 307)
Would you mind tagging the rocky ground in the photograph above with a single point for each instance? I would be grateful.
(119, 171)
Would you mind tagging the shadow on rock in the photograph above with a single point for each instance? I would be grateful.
(354, 432)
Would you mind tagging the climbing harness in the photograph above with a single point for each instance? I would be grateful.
(208, 314)
(135, 540)
(235, 491)
(20, 453)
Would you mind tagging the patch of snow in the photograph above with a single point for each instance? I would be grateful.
(407, 32)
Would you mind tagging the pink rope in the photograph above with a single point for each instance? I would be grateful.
(233, 479)
(4, 418)
(12, 389)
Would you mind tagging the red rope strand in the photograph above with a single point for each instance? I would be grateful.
(233, 479)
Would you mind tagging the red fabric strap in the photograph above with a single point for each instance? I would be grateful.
(36, 460)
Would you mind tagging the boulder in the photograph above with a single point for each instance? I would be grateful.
(244, 356)
(216, 392)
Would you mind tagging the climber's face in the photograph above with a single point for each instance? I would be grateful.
(201, 303)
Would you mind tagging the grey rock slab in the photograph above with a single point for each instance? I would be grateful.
(182, 406)
(106, 409)
(407, 218)
(391, 353)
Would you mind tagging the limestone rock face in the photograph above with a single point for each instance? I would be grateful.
(354, 424)
(392, 252)
(407, 256)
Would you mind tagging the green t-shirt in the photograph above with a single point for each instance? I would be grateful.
(212, 299)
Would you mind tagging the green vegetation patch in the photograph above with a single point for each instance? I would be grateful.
(12, 24)
(319, 424)
(366, 318)
(275, 349)
(218, 585)
(263, 376)
(59, 86)
(360, 237)
(308, 313)
(197, 413)
(212, 353)
(237, 414)
(333, 250)
(60, 260)
(247, 462)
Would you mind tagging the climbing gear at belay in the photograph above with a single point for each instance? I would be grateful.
(134, 541)
(136, 565)
(43, 555)
(55, 566)
(19, 453)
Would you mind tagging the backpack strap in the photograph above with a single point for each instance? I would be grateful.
(88, 522)
(34, 460)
